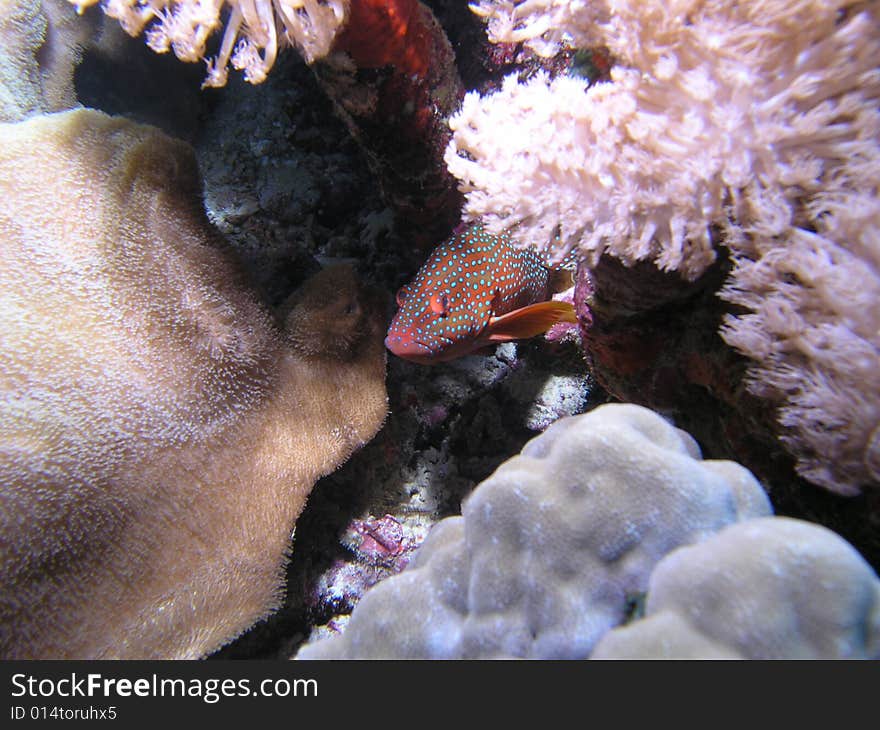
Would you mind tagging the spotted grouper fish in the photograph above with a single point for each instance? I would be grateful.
(473, 291)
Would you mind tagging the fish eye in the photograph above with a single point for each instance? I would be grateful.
(439, 304)
(401, 296)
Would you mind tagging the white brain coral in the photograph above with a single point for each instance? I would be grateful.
(253, 33)
(769, 588)
(552, 549)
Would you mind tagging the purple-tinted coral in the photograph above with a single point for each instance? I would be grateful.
(377, 540)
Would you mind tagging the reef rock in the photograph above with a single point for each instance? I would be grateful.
(159, 432)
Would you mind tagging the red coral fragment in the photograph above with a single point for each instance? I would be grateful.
(387, 33)
(381, 538)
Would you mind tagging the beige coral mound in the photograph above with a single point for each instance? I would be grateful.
(159, 435)
(754, 125)
(554, 548)
(814, 332)
(768, 588)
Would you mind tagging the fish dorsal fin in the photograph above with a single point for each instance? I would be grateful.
(528, 321)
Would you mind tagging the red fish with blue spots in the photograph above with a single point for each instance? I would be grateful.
(473, 291)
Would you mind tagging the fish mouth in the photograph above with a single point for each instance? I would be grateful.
(408, 348)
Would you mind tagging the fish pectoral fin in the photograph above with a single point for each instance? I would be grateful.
(528, 321)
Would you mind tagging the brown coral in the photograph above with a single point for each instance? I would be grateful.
(159, 435)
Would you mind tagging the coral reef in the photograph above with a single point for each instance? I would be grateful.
(448, 428)
(699, 115)
(387, 66)
(653, 339)
(159, 433)
(293, 189)
(769, 588)
(723, 125)
(555, 547)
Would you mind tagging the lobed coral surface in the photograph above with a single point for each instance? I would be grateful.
(769, 588)
(554, 548)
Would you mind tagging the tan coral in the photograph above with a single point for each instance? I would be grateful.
(22, 32)
(41, 42)
(159, 435)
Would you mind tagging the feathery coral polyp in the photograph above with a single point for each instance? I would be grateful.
(752, 124)
(159, 434)
(250, 39)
